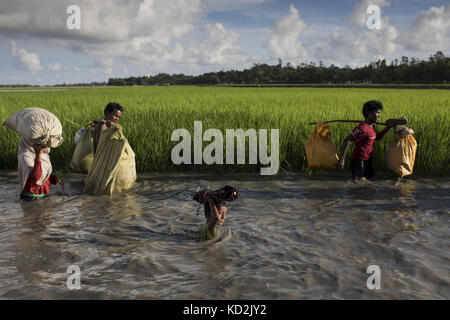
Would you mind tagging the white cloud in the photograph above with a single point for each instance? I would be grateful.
(383, 41)
(354, 43)
(143, 36)
(430, 31)
(358, 16)
(104, 62)
(226, 5)
(341, 47)
(102, 21)
(142, 30)
(283, 42)
(54, 66)
(218, 47)
(24, 60)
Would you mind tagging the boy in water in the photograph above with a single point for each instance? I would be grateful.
(364, 137)
(215, 209)
(215, 213)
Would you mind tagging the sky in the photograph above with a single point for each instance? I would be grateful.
(44, 43)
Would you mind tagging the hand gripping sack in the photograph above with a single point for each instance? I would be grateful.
(83, 156)
(113, 168)
(401, 152)
(320, 149)
(38, 126)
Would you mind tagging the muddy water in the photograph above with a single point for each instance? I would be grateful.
(290, 237)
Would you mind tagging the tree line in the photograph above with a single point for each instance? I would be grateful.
(406, 71)
(435, 70)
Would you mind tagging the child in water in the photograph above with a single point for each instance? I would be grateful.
(364, 137)
(215, 209)
(215, 214)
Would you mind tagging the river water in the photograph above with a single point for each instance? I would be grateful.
(288, 237)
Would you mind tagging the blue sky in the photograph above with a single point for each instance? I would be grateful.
(145, 37)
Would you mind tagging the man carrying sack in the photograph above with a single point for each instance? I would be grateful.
(113, 168)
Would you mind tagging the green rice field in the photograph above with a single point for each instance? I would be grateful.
(152, 113)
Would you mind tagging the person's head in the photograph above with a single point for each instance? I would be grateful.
(113, 112)
(372, 110)
(221, 207)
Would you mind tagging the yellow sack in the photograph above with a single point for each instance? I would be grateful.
(113, 168)
(320, 150)
(401, 153)
(84, 152)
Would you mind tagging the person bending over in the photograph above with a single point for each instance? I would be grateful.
(32, 189)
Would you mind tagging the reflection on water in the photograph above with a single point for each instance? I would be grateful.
(289, 237)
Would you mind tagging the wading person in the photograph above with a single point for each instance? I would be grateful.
(364, 137)
(113, 113)
(215, 209)
(39, 180)
(215, 214)
(113, 168)
(40, 130)
(87, 139)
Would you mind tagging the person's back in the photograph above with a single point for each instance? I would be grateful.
(37, 185)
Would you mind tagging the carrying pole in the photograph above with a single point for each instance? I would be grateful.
(357, 121)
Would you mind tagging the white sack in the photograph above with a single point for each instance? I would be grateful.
(37, 125)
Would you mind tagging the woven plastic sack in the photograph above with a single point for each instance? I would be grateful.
(401, 153)
(38, 126)
(78, 136)
(320, 149)
(113, 169)
(83, 156)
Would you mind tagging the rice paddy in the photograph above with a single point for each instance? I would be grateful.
(153, 113)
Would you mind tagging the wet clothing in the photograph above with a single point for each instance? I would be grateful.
(206, 233)
(33, 190)
(27, 159)
(31, 196)
(362, 168)
(364, 136)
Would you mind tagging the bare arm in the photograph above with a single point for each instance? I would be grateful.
(99, 128)
(61, 182)
(223, 217)
(344, 149)
(213, 209)
(381, 134)
(38, 151)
